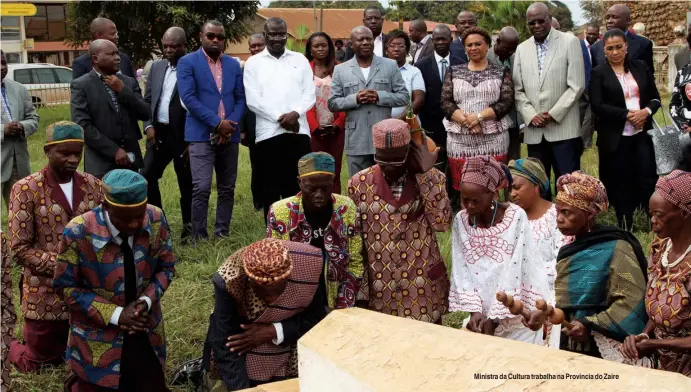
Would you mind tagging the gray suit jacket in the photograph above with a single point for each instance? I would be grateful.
(557, 92)
(22, 110)
(513, 115)
(385, 77)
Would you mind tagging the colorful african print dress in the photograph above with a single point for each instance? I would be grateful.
(9, 317)
(668, 303)
(297, 309)
(473, 92)
(498, 258)
(341, 238)
(612, 304)
(405, 274)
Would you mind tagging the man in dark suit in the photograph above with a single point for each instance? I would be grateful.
(101, 28)
(373, 19)
(107, 105)
(639, 48)
(464, 21)
(165, 133)
(431, 67)
(423, 42)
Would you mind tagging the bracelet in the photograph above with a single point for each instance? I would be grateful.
(644, 334)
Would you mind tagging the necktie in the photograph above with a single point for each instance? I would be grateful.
(130, 270)
(443, 69)
(112, 95)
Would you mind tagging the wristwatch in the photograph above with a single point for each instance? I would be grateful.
(479, 118)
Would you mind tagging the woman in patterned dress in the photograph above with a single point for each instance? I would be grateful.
(667, 299)
(476, 98)
(327, 128)
(492, 251)
(531, 191)
(9, 316)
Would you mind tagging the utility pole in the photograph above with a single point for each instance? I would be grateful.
(316, 20)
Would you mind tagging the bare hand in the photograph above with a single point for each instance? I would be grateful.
(255, 335)
(488, 327)
(471, 121)
(373, 96)
(114, 82)
(578, 332)
(121, 157)
(628, 348)
(536, 320)
(226, 128)
(10, 130)
(458, 116)
(637, 117)
(646, 347)
(133, 319)
(547, 118)
(476, 321)
(289, 121)
(420, 160)
(151, 136)
(538, 121)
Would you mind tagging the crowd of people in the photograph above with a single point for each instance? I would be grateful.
(96, 252)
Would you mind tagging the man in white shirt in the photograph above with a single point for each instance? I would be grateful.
(397, 48)
(280, 90)
(423, 42)
(592, 34)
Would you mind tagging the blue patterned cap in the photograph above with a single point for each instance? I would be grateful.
(125, 188)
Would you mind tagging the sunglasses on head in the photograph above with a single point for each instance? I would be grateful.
(212, 36)
(536, 22)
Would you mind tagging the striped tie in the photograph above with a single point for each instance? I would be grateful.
(113, 97)
(443, 69)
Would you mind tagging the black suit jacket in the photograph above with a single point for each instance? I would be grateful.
(609, 106)
(82, 65)
(105, 129)
(432, 113)
(639, 48)
(176, 113)
(458, 50)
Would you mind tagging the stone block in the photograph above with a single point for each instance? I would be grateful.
(363, 351)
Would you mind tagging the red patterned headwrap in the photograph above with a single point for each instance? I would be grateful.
(583, 192)
(484, 171)
(676, 189)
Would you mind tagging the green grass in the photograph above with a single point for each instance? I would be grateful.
(188, 302)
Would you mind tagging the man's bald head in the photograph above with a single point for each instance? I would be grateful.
(103, 28)
(360, 30)
(176, 34)
(442, 29)
(362, 42)
(417, 30)
(257, 43)
(464, 21)
(540, 8)
(441, 39)
(618, 16)
(174, 44)
(555, 24)
(507, 42)
(539, 21)
(104, 56)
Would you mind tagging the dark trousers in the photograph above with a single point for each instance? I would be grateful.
(204, 158)
(278, 162)
(44, 345)
(514, 143)
(156, 160)
(629, 176)
(564, 157)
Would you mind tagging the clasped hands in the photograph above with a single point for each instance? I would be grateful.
(13, 128)
(368, 96)
(255, 335)
(541, 120)
(225, 130)
(638, 117)
(470, 121)
(135, 317)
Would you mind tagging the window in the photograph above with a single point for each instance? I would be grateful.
(43, 75)
(13, 58)
(22, 76)
(9, 28)
(35, 76)
(64, 75)
(48, 24)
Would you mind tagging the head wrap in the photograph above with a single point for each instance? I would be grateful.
(390, 133)
(484, 171)
(267, 261)
(316, 163)
(676, 189)
(63, 132)
(532, 170)
(583, 192)
(124, 188)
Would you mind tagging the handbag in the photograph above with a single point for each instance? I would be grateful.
(669, 142)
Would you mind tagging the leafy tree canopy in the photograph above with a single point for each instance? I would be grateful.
(324, 4)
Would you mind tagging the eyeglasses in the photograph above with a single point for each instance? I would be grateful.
(396, 46)
(212, 36)
(392, 164)
(536, 22)
(618, 48)
(276, 36)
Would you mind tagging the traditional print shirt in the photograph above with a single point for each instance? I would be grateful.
(342, 243)
(38, 214)
(90, 274)
(216, 68)
(397, 188)
(405, 273)
(668, 304)
(276, 86)
(499, 258)
(542, 48)
(9, 317)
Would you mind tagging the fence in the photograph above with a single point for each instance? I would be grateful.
(49, 95)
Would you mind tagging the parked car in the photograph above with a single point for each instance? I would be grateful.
(48, 84)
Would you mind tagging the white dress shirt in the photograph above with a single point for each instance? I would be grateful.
(587, 45)
(379, 45)
(438, 59)
(68, 191)
(169, 81)
(418, 49)
(413, 81)
(114, 232)
(276, 86)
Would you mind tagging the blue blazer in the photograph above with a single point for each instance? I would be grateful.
(586, 62)
(458, 50)
(198, 92)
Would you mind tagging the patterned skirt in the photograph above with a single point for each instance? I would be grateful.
(463, 146)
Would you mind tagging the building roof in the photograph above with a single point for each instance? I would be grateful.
(430, 26)
(337, 23)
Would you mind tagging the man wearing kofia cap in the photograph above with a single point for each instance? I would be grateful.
(248, 342)
(327, 221)
(402, 202)
(116, 262)
(40, 206)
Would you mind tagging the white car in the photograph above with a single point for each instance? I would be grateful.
(48, 84)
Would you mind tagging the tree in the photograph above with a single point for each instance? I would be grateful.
(495, 15)
(324, 4)
(593, 10)
(141, 24)
(297, 44)
(562, 12)
(436, 11)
